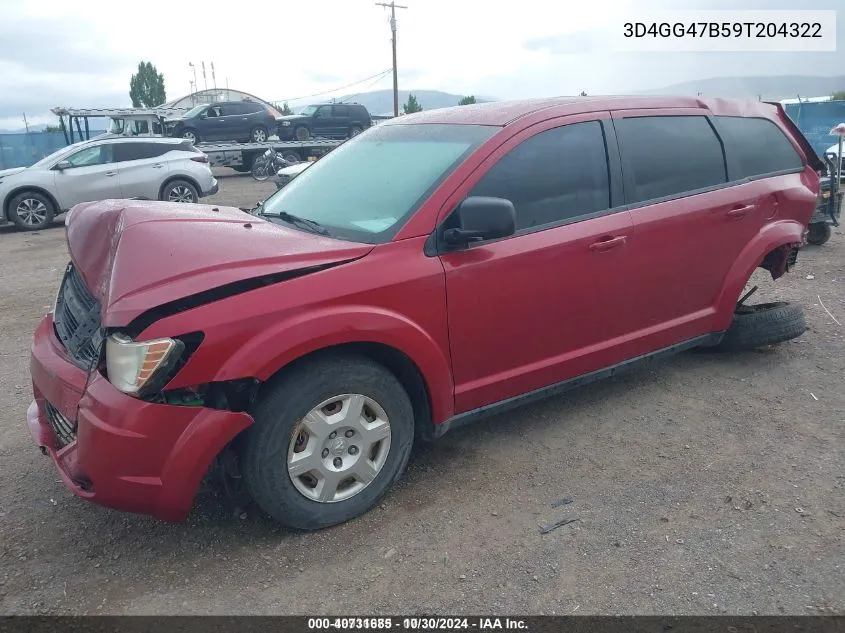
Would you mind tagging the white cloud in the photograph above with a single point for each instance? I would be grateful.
(88, 49)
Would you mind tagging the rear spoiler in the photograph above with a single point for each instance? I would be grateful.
(812, 157)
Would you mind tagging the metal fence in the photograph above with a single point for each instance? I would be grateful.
(22, 150)
(816, 119)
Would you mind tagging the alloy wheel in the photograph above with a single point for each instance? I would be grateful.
(32, 211)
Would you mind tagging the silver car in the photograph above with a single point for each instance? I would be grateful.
(141, 168)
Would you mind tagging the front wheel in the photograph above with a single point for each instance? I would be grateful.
(329, 440)
(819, 233)
(302, 133)
(261, 168)
(192, 136)
(31, 211)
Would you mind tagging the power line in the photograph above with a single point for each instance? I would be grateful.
(367, 87)
(319, 94)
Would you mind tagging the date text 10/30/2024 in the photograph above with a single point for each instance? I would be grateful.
(417, 624)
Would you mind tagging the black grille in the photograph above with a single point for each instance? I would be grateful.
(64, 429)
(77, 320)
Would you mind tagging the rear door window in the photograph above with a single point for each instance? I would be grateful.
(139, 151)
(556, 176)
(669, 155)
(340, 111)
(759, 146)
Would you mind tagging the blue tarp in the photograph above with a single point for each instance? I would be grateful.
(816, 119)
(22, 150)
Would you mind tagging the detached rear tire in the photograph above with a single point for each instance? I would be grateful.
(763, 324)
(330, 439)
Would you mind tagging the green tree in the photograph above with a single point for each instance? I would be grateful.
(467, 100)
(52, 128)
(583, 94)
(412, 106)
(286, 109)
(146, 88)
(839, 95)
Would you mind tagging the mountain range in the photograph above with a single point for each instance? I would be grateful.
(381, 101)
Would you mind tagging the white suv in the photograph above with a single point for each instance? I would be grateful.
(141, 168)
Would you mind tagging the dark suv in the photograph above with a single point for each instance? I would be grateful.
(326, 119)
(225, 121)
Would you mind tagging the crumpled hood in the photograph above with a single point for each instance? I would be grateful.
(136, 255)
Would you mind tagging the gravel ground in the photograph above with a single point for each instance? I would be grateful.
(705, 484)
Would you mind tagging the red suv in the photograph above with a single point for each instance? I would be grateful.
(432, 270)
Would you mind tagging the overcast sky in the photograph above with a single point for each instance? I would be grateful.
(82, 53)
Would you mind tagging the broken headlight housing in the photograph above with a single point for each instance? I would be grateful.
(141, 367)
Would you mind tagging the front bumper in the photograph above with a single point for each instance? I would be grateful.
(127, 454)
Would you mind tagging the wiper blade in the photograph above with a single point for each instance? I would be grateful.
(313, 226)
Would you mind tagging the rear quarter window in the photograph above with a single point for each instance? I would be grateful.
(669, 155)
(759, 146)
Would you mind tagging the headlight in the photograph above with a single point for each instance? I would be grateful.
(137, 367)
(285, 123)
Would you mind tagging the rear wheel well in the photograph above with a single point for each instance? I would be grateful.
(395, 361)
(780, 260)
(175, 178)
(7, 202)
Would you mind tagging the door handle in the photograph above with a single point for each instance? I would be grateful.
(608, 243)
(741, 211)
(111, 173)
(157, 166)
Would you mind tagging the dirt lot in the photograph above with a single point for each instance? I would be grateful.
(706, 484)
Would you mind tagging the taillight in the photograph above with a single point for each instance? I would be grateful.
(200, 159)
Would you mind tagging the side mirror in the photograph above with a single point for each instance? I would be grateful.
(63, 164)
(482, 218)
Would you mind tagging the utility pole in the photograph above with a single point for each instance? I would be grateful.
(393, 6)
(204, 80)
(194, 68)
(26, 123)
(213, 78)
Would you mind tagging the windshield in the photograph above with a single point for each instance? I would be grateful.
(194, 111)
(366, 188)
(308, 110)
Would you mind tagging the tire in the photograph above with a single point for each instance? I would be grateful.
(258, 134)
(269, 444)
(291, 157)
(191, 135)
(31, 211)
(301, 133)
(820, 233)
(180, 191)
(763, 324)
(261, 168)
(355, 130)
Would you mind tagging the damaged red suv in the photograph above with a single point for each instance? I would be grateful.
(435, 269)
